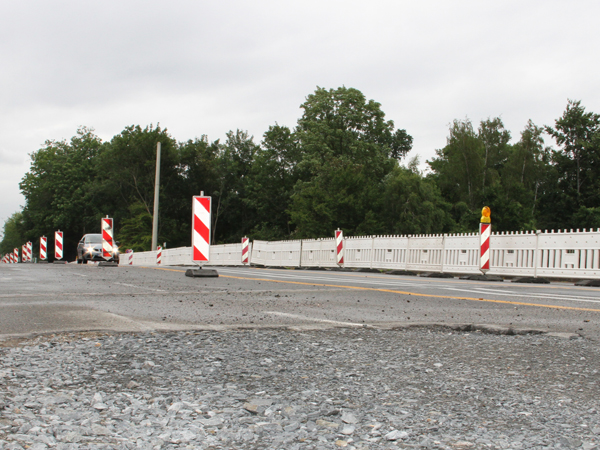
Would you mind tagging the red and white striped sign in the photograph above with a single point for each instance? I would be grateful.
(158, 254)
(29, 246)
(16, 255)
(485, 231)
(24, 253)
(43, 248)
(245, 250)
(107, 237)
(201, 216)
(58, 244)
(339, 245)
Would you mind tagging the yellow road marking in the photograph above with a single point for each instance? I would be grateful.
(392, 291)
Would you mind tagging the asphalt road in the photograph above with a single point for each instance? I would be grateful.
(49, 298)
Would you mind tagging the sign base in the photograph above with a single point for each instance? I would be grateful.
(201, 273)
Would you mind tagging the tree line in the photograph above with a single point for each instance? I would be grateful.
(342, 166)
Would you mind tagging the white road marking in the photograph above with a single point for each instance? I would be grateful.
(567, 298)
(311, 319)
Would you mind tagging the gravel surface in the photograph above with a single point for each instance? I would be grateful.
(311, 389)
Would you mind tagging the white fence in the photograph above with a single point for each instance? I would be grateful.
(574, 254)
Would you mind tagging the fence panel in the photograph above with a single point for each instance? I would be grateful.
(574, 254)
(276, 254)
(227, 254)
(319, 253)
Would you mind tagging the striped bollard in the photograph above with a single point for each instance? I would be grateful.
(129, 254)
(245, 248)
(158, 255)
(107, 237)
(16, 255)
(58, 245)
(339, 245)
(485, 231)
(24, 253)
(201, 216)
(43, 248)
(29, 251)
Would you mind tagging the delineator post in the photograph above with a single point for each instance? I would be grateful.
(58, 245)
(43, 248)
(245, 250)
(107, 237)
(339, 245)
(201, 221)
(485, 231)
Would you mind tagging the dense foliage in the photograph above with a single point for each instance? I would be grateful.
(342, 166)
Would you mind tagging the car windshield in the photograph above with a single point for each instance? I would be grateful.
(94, 239)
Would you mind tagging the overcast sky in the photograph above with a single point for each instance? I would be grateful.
(207, 67)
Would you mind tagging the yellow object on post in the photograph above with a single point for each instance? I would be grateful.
(485, 215)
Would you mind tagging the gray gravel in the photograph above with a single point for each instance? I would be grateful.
(310, 389)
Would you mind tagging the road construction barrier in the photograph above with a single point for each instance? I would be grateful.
(43, 248)
(278, 253)
(201, 224)
(485, 231)
(159, 255)
(245, 250)
(58, 245)
(572, 254)
(107, 237)
(339, 242)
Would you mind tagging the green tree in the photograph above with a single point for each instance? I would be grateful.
(413, 204)
(13, 236)
(270, 184)
(577, 133)
(232, 217)
(126, 171)
(59, 190)
(458, 167)
(347, 148)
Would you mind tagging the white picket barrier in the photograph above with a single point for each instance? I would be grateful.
(227, 254)
(573, 254)
(318, 253)
(278, 253)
